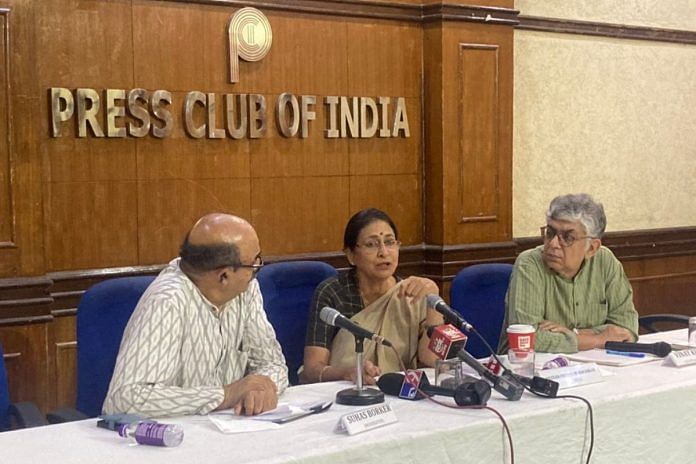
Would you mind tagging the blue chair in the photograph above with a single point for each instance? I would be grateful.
(478, 293)
(287, 289)
(17, 415)
(102, 315)
(652, 323)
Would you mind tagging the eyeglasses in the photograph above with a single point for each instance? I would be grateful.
(373, 245)
(565, 238)
(258, 264)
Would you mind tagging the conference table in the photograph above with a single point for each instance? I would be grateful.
(644, 413)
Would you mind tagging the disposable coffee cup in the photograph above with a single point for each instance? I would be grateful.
(521, 337)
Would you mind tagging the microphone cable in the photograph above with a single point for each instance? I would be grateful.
(590, 414)
(475, 406)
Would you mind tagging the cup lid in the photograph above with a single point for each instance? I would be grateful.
(520, 329)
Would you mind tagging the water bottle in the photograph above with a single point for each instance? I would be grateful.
(560, 361)
(153, 433)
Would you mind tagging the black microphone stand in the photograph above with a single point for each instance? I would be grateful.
(359, 395)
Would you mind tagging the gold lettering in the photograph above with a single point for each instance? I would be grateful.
(384, 106)
(213, 131)
(332, 131)
(257, 116)
(114, 111)
(288, 121)
(138, 113)
(368, 117)
(236, 131)
(87, 109)
(189, 105)
(400, 119)
(307, 114)
(60, 97)
(349, 117)
(161, 113)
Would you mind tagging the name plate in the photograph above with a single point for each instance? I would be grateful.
(573, 376)
(683, 358)
(366, 419)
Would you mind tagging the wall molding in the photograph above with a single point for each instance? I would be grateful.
(617, 31)
(57, 294)
(378, 10)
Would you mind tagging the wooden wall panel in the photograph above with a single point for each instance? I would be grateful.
(296, 214)
(395, 155)
(433, 133)
(468, 130)
(178, 47)
(168, 208)
(308, 57)
(182, 157)
(84, 44)
(89, 224)
(384, 58)
(478, 186)
(27, 187)
(26, 360)
(63, 366)
(72, 159)
(6, 167)
(484, 56)
(278, 156)
(395, 194)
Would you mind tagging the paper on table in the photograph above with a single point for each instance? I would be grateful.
(228, 422)
(600, 356)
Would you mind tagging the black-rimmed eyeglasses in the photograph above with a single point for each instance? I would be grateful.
(565, 237)
(258, 264)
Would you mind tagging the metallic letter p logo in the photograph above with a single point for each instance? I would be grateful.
(250, 38)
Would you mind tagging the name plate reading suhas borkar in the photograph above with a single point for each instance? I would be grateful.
(366, 419)
(120, 113)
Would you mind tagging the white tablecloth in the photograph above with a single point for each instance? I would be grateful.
(643, 414)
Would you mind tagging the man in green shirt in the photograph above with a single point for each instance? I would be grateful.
(571, 289)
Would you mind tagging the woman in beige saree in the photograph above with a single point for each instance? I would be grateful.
(371, 294)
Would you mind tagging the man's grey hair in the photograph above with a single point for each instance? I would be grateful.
(582, 208)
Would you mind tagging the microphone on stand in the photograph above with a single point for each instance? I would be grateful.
(358, 395)
(660, 349)
(336, 319)
(453, 317)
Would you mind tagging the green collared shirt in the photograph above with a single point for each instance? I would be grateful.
(598, 295)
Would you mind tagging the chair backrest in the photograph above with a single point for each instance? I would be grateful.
(102, 316)
(478, 293)
(4, 395)
(287, 290)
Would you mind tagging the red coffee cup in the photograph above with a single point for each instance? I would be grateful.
(521, 337)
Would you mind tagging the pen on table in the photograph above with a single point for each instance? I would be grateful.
(626, 353)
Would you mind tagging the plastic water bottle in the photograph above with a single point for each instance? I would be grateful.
(560, 361)
(153, 433)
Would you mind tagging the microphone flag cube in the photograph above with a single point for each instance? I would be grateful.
(409, 387)
(444, 338)
(493, 365)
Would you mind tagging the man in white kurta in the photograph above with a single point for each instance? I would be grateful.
(199, 340)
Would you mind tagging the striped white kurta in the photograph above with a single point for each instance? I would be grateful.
(178, 350)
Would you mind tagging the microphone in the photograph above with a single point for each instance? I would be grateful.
(336, 319)
(539, 385)
(472, 392)
(445, 341)
(660, 349)
(505, 384)
(450, 315)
